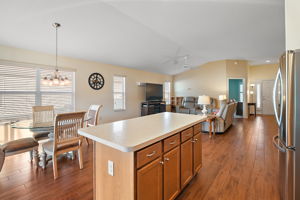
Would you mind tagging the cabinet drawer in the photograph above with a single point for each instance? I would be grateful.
(186, 134)
(171, 142)
(148, 154)
(197, 129)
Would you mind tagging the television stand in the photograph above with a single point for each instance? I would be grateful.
(152, 107)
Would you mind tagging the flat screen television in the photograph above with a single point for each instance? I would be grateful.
(154, 92)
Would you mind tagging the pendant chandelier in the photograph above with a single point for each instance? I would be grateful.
(55, 79)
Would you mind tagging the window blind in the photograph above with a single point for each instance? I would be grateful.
(21, 88)
(167, 92)
(119, 92)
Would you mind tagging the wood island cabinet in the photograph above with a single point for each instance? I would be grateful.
(172, 174)
(186, 162)
(166, 167)
(149, 181)
(197, 153)
(145, 158)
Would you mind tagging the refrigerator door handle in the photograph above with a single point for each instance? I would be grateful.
(275, 139)
(278, 78)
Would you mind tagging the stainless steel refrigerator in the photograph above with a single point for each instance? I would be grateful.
(286, 99)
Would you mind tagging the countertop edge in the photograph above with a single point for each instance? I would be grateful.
(138, 147)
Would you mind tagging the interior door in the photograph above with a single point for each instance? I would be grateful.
(267, 95)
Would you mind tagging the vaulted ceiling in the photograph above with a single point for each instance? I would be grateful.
(149, 35)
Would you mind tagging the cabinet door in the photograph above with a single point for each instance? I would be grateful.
(197, 153)
(186, 162)
(149, 181)
(172, 174)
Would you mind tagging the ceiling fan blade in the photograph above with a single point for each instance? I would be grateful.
(166, 61)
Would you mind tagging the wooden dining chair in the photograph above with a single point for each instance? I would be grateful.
(66, 138)
(93, 116)
(42, 116)
(19, 146)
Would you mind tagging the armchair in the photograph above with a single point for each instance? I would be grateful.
(187, 106)
(224, 118)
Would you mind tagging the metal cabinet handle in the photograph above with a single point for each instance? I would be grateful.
(161, 162)
(275, 139)
(151, 154)
(171, 143)
(167, 159)
(194, 140)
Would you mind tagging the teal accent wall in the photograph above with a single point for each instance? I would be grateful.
(234, 88)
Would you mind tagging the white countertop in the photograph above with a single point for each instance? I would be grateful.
(134, 134)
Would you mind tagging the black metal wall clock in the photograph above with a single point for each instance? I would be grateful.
(96, 81)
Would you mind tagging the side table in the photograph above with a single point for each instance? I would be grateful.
(249, 106)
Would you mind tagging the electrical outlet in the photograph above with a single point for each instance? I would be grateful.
(110, 168)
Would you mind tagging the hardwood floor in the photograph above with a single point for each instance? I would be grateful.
(241, 164)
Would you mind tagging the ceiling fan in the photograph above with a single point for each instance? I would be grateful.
(174, 59)
(186, 65)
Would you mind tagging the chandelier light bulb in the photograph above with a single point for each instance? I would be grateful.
(55, 81)
(67, 81)
(45, 81)
(50, 82)
(62, 82)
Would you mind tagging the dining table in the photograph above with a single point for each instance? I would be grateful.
(29, 125)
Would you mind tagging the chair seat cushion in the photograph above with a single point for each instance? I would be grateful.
(41, 135)
(18, 145)
(48, 146)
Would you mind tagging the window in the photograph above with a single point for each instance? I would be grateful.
(258, 95)
(21, 88)
(119, 92)
(167, 92)
(241, 93)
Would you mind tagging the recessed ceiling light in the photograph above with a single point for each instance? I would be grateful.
(268, 61)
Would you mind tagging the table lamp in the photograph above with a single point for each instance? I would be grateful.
(204, 100)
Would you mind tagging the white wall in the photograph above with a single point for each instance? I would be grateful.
(84, 94)
(292, 24)
(238, 69)
(262, 72)
(208, 79)
(211, 79)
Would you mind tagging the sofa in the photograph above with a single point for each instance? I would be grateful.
(189, 105)
(224, 118)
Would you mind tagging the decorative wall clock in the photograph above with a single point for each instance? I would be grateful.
(96, 81)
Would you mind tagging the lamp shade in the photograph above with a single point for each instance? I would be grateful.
(222, 97)
(204, 100)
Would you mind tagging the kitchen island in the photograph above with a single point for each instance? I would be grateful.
(146, 158)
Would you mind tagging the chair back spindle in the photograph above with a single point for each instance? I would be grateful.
(42, 116)
(66, 127)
